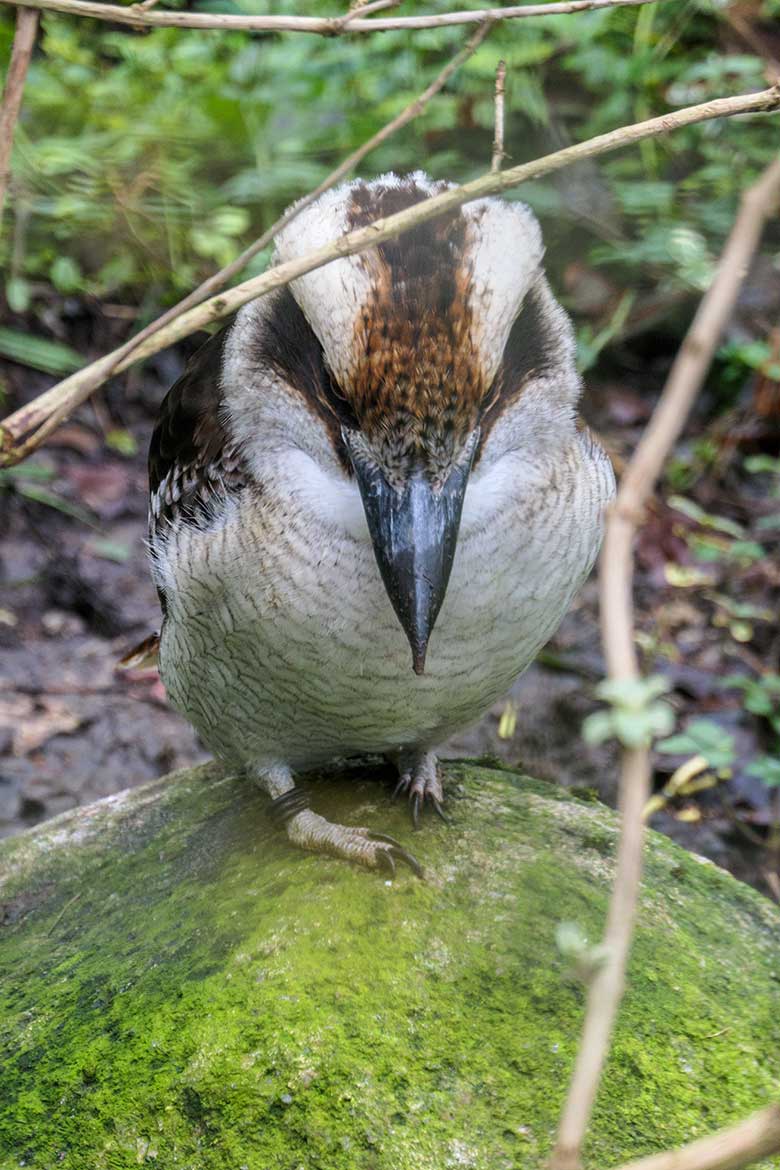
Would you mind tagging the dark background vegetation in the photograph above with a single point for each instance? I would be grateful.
(143, 161)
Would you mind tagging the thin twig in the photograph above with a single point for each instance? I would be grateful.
(325, 26)
(757, 1137)
(361, 9)
(61, 914)
(24, 42)
(26, 429)
(498, 133)
(219, 279)
(616, 581)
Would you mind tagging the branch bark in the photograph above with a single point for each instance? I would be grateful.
(24, 43)
(616, 582)
(24, 431)
(499, 103)
(758, 1136)
(139, 17)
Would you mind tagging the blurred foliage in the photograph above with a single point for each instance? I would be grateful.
(29, 481)
(145, 160)
(705, 738)
(635, 716)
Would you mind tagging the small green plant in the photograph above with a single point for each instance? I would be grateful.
(635, 715)
(710, 752)
(761, 695)
(766, 465)
(766, 768)
(703, 738)
(584, 958)
(684, 469)
(708, 745)
(762, 698)
(741, 358)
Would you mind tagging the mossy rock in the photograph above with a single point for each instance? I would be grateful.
(180, 989)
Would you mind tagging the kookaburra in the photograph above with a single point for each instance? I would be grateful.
(372, 501)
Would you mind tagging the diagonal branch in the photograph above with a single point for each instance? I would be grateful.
(139, 17)
(219, 279)
(616, 580)
(24, 42)
(757, 1137)
(26, 429)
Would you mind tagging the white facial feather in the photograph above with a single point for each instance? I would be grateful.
(330, 297)
(504, 251)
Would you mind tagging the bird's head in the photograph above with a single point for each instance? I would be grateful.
(411, 353)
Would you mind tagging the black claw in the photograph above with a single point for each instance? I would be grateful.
(385, 861)
(411, 861)
(440, 811)
(288, 805)
(384, 837)
(399, 788)
(415, 802)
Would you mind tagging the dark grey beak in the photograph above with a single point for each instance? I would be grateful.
(414, 531)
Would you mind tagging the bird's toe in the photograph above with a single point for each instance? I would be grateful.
(420, 783)
(363, 846)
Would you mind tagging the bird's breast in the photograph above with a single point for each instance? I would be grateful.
(281, 633)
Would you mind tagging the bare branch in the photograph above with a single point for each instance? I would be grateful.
(24, 42)
(616, 581)
(365, 9)
(498, 133)
(757, 1137)
(139, 17)
(25, 430)
(219, 279)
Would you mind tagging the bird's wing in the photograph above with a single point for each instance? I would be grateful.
(192, 457)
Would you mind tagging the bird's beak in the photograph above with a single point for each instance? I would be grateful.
(414, 530)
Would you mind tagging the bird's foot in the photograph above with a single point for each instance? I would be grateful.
(419, 781)
(308, 830)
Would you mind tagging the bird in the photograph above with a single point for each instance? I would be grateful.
(372, 501)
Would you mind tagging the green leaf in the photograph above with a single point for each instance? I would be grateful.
(597, 728)
(110, 550)
(747, 551)
(26, 471)
(122, 441)
(691, 509)
(702, 737)
(41, 495)
(632, 694)
(66, 275)
(17, 293)
(631, 728)
(756, 464)
(766, 768)
(51, 357)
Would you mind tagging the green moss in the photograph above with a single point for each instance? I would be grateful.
(181, 989)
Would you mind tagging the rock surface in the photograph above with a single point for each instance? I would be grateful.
(180, 989)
